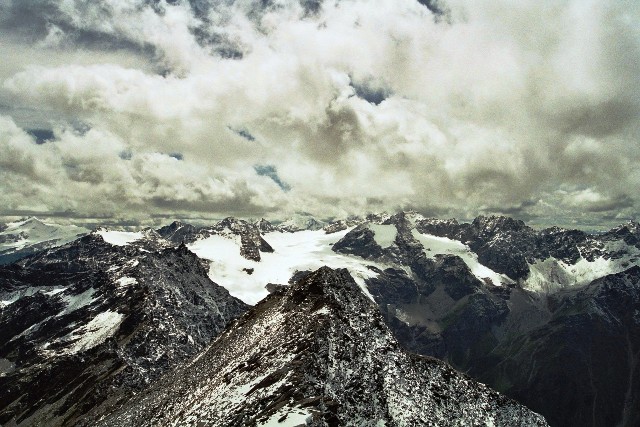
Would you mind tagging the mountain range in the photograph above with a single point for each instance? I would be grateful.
(348, 324)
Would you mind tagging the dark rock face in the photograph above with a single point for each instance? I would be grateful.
(580, 367)
(629, 232)
(317, 354)
(178, 232)
(91, 324)
(360, 242)
(264, 226)
(570, 355)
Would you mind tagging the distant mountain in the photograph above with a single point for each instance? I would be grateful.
(300, 222)
(87, 325)
(317, 353)
(178, 232)
(264, 226)
(28, 236)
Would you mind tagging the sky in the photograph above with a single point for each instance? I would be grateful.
(142, 111)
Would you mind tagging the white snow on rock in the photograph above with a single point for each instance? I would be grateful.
(31, 231)
(434, 245)
(294, 417)
(75, 302)
(96, 331)
(126, 281)
(119, 238)
(384, 235)
(300, 251)
(551, 274)
(11, 297)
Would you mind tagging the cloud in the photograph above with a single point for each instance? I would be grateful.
(455, 108)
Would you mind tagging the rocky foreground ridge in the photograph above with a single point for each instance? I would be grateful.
(317, 353)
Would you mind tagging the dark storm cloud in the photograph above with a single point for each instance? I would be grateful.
(34, 20)
(243, 133)
(437, 7)
(616, 203)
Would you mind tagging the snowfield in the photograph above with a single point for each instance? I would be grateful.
(119, 238)
(300, 251)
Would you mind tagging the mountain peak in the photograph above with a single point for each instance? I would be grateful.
(317, 354)
(264, 226)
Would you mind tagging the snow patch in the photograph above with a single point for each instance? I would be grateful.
(551, 274)
(75, 302)
(54, 291)
(95, 332)
(21, 234)
(384, 235)
(434, 245)
(300, 251)
(323, 310)
(126, 281)
(119, 238)
(294, 417)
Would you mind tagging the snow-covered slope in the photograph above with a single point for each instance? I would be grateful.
(25, 237)
(317, 354)
(292, 252)
(612, 256)
(435, 245)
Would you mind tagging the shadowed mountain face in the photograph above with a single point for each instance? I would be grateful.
(562, 332)
(91, 324)
(317, 353)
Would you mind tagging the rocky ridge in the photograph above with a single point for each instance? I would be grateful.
(249, 236)
(93, 323)
(317, 353)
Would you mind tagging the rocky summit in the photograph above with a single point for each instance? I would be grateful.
(317, 353)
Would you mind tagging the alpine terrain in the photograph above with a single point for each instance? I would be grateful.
(30, 235)
(317, 353)
(87, 325)
(547, 317)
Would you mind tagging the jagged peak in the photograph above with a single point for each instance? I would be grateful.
(233, 224)
(176, 224)
(264, 225)
(498, 223)
(629, 226)
(325, 281)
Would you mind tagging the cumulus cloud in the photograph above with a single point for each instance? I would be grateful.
(198, 108)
